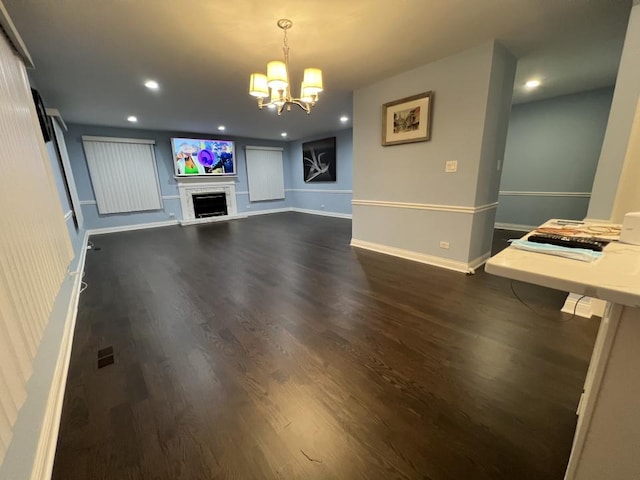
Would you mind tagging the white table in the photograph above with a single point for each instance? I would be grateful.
(606, 445)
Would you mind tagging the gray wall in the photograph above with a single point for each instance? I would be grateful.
(552, 153)
(326, 196)
(623, 107)
(472, 96)
(168, 184)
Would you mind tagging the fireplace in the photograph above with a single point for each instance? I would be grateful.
(207, 200)
(209, 204)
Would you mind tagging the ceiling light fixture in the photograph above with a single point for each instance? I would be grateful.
(344, 119)
(283, 134)
(132, 118)
(152, 85)
(222, 128)
(277, 79)
(532, 84)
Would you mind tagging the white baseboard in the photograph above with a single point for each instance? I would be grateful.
(142, 226)
(126, 228)
(478, 262)
(198, 221)
(267, 212)
(515, 226)
(321, 212)
(46, 449)
(587, 307)
(420, 257)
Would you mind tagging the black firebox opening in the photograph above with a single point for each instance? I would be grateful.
(209, 205)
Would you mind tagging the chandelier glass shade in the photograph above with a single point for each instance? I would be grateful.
(275, 85)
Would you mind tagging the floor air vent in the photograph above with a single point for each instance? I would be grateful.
(105, 357)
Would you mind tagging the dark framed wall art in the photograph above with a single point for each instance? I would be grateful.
(319, 160)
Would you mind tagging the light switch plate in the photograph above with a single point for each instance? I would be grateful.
(451, 166)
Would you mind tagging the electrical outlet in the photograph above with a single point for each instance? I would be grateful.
(171, 215)
(322, 206)
(444, 245)
(451, 166)
(499, 164)
(248, 207)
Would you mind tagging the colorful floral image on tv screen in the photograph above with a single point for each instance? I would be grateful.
(194, 156)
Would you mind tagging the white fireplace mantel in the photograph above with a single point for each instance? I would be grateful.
(188, 186)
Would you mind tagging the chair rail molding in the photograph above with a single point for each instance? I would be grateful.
(427, 206)
(518, 193)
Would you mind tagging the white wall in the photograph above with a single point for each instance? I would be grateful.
(408, 195)
(623, 107)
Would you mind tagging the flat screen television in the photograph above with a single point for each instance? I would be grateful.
(196, 156)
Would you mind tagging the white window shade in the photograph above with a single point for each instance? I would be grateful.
(123, 174)
(265, 173)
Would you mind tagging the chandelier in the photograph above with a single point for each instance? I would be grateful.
(277, 80)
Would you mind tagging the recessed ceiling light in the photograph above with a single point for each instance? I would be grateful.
(283, 134)
(222, 128)
(151, 84)
(271, 106)
(532, 84)
(132, 118)
(344, 118)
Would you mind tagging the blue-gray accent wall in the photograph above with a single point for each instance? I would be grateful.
(332, 197)
(168, 184)
(552, 146)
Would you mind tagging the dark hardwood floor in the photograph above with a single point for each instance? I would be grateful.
(268, 348)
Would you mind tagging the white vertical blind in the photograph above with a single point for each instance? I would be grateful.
(265, 173)
(123, 174)
(34, 244)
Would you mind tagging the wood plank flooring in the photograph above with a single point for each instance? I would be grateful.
(267, 348)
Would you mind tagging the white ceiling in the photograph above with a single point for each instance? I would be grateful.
(92, 56)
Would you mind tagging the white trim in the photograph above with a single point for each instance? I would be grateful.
(46, 449)
(587, 307)
(267, 212)
(317, 190)
(321, 212)
(478, 262)
(87, 138)
(87, 202)
(67, 171)
(516, 193)
(596, 220)
(593, 382)
(420, 257)
(14, 37)
(68, 215)
(583, 308)
(171, 197)
(515, 226)
(221, 218)
(254, 147)
(54, 113)
(426, 206)
(144, 226)
(126, 228)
